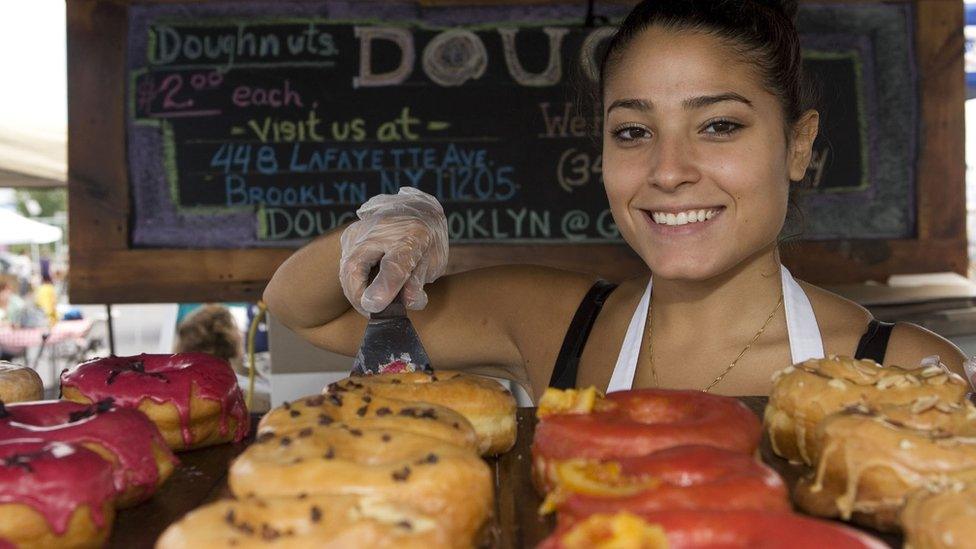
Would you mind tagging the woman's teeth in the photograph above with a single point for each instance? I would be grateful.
(683, 218)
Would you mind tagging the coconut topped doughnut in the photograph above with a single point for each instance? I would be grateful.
(484, 402)
(329, 522)
(125, 437)
(450, 482)
(941, 519)
(193, 398)
(868, 464)
(804, 394)
(61, 486)
(19, 383)
(366, 411)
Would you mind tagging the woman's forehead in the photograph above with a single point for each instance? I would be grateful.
(669, 66)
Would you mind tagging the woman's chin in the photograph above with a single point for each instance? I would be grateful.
(690, 270)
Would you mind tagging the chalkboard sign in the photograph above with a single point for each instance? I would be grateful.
(276, 128)
(221, 135)
(273, 129)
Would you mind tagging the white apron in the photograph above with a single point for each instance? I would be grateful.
(801, 325)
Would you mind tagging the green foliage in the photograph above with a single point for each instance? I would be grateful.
(51, 201)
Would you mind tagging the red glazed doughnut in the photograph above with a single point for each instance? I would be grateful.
(141, 459)
(711, 530)
(584, 424)
(54, 494)
(192, 397)
(684, 477)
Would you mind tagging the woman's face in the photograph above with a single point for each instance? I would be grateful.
(695, 161)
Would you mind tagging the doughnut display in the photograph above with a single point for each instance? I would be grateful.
(332, 522)
(684, 529)
(804, 394)
(193, 398)
(54, 494)
(683, 477)
(126, 438)
(586, 425)
(449, 482)
(19, 383)
(488, 406)
(367, 411)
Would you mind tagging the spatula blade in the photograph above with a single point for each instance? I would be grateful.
(391, 344)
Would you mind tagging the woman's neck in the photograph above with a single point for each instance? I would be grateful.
(750, 289)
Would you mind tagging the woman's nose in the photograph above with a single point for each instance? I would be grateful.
(672, 164)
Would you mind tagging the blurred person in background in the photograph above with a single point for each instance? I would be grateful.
(11, 304)
(46, 297)
(212, 329)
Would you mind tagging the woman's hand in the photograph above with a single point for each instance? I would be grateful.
(406, 234)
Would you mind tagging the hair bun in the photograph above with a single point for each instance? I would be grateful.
(788, 7)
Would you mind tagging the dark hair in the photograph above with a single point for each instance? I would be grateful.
(210, 329)
(760, 30)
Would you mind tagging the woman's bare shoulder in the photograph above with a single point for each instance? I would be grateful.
(837, 316)
(843, 321)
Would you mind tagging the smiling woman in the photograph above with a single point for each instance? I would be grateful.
(706, 128)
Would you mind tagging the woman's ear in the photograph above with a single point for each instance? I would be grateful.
(801, 145)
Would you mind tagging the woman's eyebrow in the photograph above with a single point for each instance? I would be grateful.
(707, 100)
(636, 104)
(692, 103)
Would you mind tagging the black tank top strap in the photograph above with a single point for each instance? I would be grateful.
(874, 342)
(567, 363)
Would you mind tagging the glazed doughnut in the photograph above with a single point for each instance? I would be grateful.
(585, 424)
(942, 519)
(327, 522)
(365, 411)
(126, 438)
(683, 477)
(870, 463)
(19, 383)
(449, 482)
(484, 402)
(804, 394)
(713, 529)
(193, 398)
(54, 494)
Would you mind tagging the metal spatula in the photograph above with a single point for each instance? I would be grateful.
(390, 343)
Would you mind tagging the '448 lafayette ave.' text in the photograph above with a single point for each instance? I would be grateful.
(348, 176)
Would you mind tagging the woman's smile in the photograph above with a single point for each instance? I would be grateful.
(682, 221)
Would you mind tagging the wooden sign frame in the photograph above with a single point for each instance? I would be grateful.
(104, 269)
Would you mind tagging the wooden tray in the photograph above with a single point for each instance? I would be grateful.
(202, 478)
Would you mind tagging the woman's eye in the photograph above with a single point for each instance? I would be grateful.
(722, 127)
(631, 133)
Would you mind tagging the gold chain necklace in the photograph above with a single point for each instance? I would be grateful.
(721, 376)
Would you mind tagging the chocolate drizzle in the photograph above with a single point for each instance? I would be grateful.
(101, 407)
(136, 366)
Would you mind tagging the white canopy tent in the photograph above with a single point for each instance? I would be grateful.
(33, 97)
(17, 229)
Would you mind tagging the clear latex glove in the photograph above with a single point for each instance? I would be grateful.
(406, 234)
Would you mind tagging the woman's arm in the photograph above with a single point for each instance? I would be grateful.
(506, 320)
(910, 343)
(305, 291)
